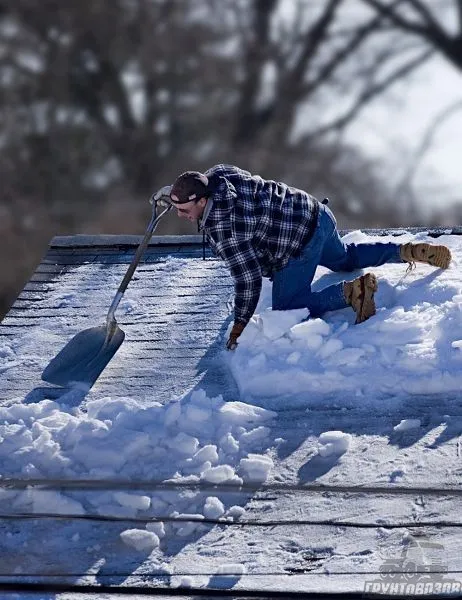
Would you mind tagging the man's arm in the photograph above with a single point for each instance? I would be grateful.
(240, 258)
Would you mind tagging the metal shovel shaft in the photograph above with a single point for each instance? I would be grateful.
(136, 259)
(84, 357)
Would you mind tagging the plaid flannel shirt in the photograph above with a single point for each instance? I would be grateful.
(255, 226)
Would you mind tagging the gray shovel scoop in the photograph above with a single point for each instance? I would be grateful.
(84, 357)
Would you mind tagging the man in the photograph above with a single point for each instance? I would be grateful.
(263, 228)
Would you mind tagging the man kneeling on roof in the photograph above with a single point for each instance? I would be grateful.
(263, 228)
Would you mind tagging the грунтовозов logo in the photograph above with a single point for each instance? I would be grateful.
(421, 569)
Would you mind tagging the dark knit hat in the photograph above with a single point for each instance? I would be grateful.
(189, 186)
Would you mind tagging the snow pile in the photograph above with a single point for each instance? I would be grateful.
(333, 443)
(198, 438)
(416, 333)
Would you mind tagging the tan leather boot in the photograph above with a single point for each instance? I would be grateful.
(436, 256)
(359, 294)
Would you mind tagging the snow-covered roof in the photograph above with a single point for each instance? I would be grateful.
(309, 460)
(173, 313)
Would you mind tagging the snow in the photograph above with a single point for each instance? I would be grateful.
(132, 500)
(333, 442)
(256, 467)
(320, 400)
(140, 539)
(415, 332)
(213, 508)
(231, 569)
(407, 424)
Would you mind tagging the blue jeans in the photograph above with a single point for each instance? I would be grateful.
(292, 284)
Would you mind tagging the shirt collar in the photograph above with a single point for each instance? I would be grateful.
(205, 214)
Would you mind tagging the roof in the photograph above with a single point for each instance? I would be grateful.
(174, 316)
(173, 342)
(296, 535)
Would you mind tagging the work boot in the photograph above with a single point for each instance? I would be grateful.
(359, 294)
(436, 256)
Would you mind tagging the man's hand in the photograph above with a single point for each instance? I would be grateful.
(163, 192)
(236, 331)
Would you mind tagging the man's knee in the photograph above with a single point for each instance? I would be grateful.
(289, 303)
(280, 304)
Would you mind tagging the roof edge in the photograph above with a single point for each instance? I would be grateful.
(85, 241)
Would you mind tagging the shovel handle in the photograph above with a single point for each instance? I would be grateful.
(136, 259)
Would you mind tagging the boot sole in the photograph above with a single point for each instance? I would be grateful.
(435, 256)
(367, 309)
(440, 257)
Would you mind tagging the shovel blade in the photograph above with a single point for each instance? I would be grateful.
(84, 357)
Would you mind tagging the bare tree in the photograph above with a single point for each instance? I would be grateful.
(109, 99)
(313, 63)
(435, 25)
(129, 90)
(425, 144)
(438, 24)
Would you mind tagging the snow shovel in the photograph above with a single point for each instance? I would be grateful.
(84, 357)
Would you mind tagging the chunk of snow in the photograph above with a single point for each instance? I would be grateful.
(331, 346)
(333, 443)
(183, 443)
(228, 444)
(156, 527)
(186, 528)
(140, 539)
(44, 501)
(218, 474)
(240, 413)
(271, 324)
(235, 512)
(207, 453)
(197, 414)
(255, 467)
(255, 436)
(310, 328)
(406, 424)
(172, 413)
(213, 508)
(132, 500)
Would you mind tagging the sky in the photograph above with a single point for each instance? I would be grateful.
(391, 128)
(319, 401)
(396, 124)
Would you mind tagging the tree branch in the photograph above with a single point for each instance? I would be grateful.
(314, 38)
(431, 32)
(427, 16)
(369, 94)
(340, 56)
(459, 13)
(425, 145)
(389, 12)
(247, 116)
